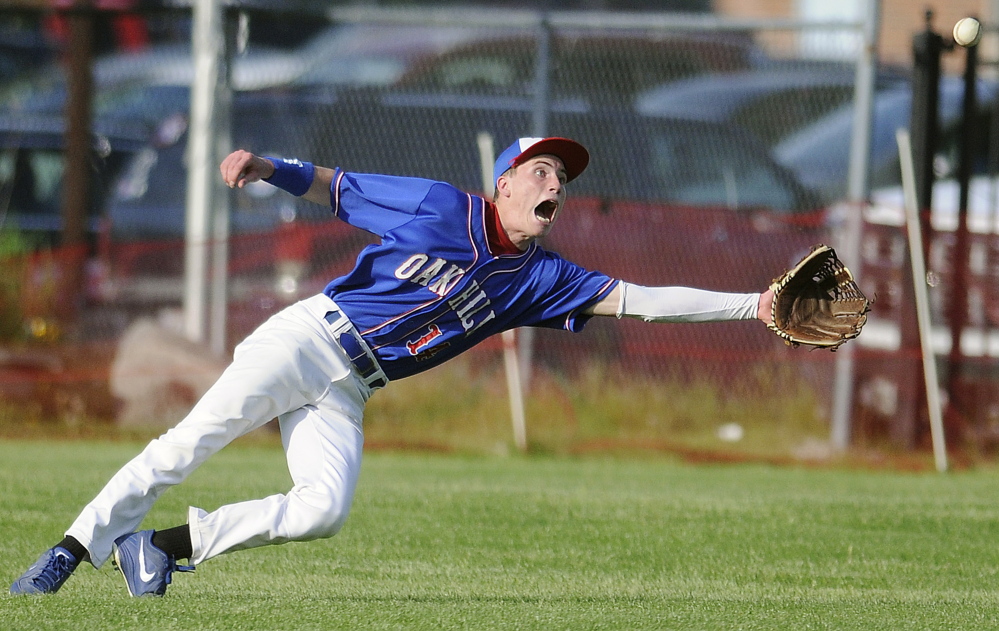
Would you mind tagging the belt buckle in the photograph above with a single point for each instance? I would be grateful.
(359, 357)
(333, 317)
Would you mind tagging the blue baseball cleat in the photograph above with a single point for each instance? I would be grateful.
(47, 574)
(146, 568)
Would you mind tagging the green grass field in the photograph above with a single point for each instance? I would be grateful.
(445, 542)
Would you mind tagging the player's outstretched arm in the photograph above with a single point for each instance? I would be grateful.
(319, 191)
(241, 167)
(682, 304)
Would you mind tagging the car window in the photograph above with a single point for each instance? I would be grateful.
(31, 180)
(775, 115)
(714, 170)
(600, 67)
(482, 70)
(982, 153)
(623, 70)
(678, 161)
(31, 184)
(149, 197)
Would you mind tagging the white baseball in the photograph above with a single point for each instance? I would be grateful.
(731, 432)
(967, 32)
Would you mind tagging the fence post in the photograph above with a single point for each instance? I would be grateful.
(958, 314)
(76, 180)
(927, 46)
(209, 54)
(858, 186)
(221, 145)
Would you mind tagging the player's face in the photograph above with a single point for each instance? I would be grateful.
(536, 194)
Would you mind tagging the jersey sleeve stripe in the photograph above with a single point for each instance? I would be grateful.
(336, 192)
(471, 234)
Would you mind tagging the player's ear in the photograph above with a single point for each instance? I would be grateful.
(503, 185)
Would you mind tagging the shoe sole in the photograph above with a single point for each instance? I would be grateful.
(117, 564)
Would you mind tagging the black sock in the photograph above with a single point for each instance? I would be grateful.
(175, 541)
(74, 547)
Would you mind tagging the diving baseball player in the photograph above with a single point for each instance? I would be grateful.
(450, 270)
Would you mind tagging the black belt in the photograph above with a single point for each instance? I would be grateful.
(360, 357)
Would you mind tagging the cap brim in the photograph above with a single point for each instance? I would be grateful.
(573, 155)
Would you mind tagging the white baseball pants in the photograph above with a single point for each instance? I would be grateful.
(290, 368)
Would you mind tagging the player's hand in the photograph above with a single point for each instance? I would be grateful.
(241, 167)
(765, 309)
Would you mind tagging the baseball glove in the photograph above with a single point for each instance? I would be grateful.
(818, 303)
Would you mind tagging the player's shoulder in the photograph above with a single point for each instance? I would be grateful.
(549, 255)
(445, 195)
(437, 187)
(544, 258)
(387, 179)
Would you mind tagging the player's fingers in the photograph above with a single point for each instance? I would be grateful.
(229, 170)
(236, 168)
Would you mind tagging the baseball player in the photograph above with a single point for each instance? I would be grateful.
(450, 270)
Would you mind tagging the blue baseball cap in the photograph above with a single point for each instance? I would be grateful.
(573, 155)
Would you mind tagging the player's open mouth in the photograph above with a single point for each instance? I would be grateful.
(545, 211)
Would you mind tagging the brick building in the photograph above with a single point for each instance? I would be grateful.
(900, 19)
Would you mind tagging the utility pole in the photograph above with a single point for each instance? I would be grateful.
(76, 173)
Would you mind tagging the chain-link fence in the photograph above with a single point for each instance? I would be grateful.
(719, 150)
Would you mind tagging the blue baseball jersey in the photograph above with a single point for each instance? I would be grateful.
(433, 286)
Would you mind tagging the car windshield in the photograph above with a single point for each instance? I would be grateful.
(625, 63)
(148, 198)
(31, 183)
(819, 153)
(714, 170)
(800, 92)
(695, 163)
(376, 55)
(142, 78)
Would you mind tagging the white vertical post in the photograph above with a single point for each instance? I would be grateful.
(206, 44)
(208, 50)
(218, 194)
(922, 299)
(514, 381)
(858, 184)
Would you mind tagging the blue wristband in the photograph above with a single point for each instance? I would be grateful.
(291, 175)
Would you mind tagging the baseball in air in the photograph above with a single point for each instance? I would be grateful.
(967, 32)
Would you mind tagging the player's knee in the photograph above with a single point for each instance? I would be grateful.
(328, 523)
(320, 515)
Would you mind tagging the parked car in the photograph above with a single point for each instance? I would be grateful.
(152, 83)
(772, 102)
(379, 55)
(600, 66)
(145, 85)
(32, 162)
(148, 198)
(820, 153)
(32, 166)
